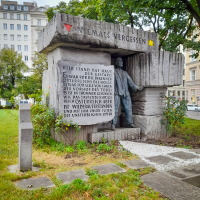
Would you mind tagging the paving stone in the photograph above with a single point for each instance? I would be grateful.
(172, 188)
(183, 155)
(160, 159)
(195, 180)
(108, 169)
(195, 150)
(15, 168)
(186, 171)
(135, 164)
(35, 183)
(70, 176)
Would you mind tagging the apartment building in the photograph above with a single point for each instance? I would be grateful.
(192, 76)
(20, 25)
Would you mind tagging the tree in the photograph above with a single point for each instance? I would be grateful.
(11, 72)
(30, 85)
(173, 20)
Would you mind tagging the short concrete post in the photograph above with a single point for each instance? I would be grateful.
(25, 138)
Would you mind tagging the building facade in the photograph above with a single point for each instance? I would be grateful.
(20, 25)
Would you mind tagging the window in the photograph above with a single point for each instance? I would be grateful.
(12, 7)
(183, 93)
(5, 7)
(18, 47)
(13, 47)
(39, 22)
(19, 7)
(183, 71)
(5, 46)
(5, 15)
(11, 16)
(193, 96)
(25, 27)
(38, 34)
(183, 83)
(26, 38)
(19, 27)
(178, 93)
(12, 37)
(42, 9)
(46, 21)
(25, 47)
(18, 16)
(26, 8)
(5, 36)
(19, 37)
(11, 26)
(25, 17)
(174, 93)
(26, 58)
(4, 26)
(192, 74)
(192, 59)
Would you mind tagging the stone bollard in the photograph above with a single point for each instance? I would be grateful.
(25, 138)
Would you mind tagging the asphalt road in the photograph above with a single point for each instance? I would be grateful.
(193, 115)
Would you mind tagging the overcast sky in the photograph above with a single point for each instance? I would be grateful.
(51, 3)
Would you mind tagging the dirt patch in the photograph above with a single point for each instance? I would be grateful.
(191, 142)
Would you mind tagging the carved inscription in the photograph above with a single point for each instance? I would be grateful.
(116, 36)
(87, 92)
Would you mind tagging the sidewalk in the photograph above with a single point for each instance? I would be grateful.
(193, 115)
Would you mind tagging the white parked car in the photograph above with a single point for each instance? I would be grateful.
(191, 107)
(197, 108)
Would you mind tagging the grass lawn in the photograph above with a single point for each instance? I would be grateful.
(121, 186)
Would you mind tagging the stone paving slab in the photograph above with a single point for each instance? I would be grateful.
(183, 155)
(160, 159)
(15, 168)
(195, 180)
(135, 164)
(195, 150)
(108, 169)
(186, 171)
(35, 183)
(173, 188)
(69, 176)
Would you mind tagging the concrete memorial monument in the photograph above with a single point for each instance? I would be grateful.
(81, 55)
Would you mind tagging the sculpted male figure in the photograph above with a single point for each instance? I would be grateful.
(122, 82)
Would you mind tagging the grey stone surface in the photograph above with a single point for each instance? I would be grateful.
(156, 68)
(171, 187)
(183, 155)
(85, 92)
(186, 171)
(24, 113)
(136, 164)
(117, 134)
(108, 169)
(70, 176)
(35, 183)
(25, 146)
(148, 101)
(150, 126)
(15, 168)
(94, 35)
(160, 159)
(195, 151)
(195, 180)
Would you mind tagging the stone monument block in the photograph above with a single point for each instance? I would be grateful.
(24, 113)
(25, 146)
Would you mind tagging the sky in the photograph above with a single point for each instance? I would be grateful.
(51, 3)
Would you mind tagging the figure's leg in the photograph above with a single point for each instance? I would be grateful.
(117, 102)
(126, 101)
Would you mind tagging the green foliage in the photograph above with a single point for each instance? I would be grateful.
(104, 147)
(42, 119)
(81, 145)
(91, 172)
(11, 72)
(80, 185)
(69, 149)
(174, 112)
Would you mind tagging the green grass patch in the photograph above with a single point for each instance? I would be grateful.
(53, 159)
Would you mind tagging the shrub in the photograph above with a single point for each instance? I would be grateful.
(7, 107)
(174, 112)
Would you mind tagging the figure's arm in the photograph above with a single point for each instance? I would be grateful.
(132, 85)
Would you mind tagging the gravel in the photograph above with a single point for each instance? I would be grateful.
(144, 151)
